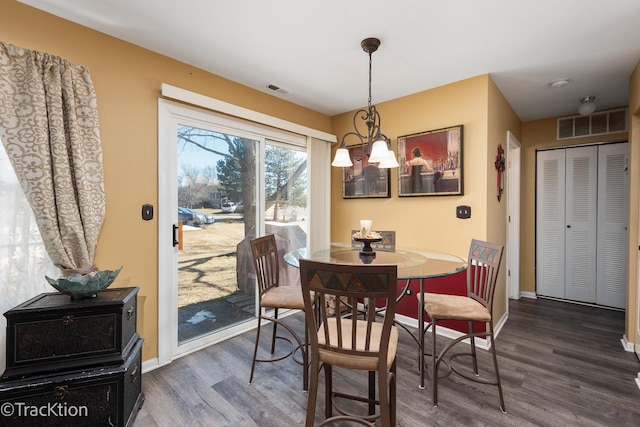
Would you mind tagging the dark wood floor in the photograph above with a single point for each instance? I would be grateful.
(561, 365)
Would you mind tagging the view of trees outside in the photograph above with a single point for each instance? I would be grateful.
(233, 174)
(214, 168)
(285, 183)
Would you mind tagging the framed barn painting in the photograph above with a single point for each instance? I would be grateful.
(431, 163)
(364, 179)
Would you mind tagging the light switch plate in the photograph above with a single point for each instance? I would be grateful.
(147, 212)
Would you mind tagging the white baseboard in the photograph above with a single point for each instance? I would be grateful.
(444, 331)
(628, 346)
(530, 295)
(151, 364)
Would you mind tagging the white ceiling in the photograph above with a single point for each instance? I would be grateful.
(311, 48)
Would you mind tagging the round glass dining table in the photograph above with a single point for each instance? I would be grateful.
(412, 264)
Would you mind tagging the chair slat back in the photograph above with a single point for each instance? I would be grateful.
(345, 297)
(265, 261)
(482, 272)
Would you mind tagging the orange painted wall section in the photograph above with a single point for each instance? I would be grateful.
(127, 80)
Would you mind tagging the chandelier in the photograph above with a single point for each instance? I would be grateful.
(374, 143)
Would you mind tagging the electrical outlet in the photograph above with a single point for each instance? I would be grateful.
(463, 212)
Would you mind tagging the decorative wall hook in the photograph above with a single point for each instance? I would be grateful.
(500, 166)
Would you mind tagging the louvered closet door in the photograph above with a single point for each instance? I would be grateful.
(612, 225)
(550, 223)
(581, 223)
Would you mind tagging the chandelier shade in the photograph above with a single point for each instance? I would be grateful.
(374, 143)
(342, 158)
(389, 161)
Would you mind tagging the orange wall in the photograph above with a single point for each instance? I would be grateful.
(501, 118)
(427, 222)
(430, 222)
(127, 81)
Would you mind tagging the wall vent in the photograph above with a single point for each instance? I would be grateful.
(596, 124)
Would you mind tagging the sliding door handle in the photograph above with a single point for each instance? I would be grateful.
(175, 236)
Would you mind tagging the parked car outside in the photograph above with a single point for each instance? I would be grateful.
(207, 217)
(202, 218)
(228, 207)
(210, 218)
(240, 207)
(188, 217)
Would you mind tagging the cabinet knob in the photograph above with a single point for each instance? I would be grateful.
(67, 320)
(61, 392)
(130, 313)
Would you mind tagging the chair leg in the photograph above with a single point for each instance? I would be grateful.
(435, 363)
(328, 390)
(275, 331)
(474, 358)
(383, 398)
(313, 393)
(495, 367)
(392, 394)
(255, 350)
(422, 331)
(372, 392)
(305, 357)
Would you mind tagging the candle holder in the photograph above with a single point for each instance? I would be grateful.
(366, 247)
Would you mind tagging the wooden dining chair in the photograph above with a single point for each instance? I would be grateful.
(272, 296)
(354, 335)
(476, 306)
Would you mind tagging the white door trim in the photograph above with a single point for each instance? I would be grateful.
(513, 216)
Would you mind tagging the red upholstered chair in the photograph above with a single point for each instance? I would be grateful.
(475, 306)
(352, 335)
(272, 296)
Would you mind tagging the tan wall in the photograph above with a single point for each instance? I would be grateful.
(501, 118)
(632, 314)
(427, 222)
(430, 222)
(127, 81)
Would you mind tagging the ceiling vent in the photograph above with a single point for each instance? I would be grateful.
(596, 124)
(277, 89)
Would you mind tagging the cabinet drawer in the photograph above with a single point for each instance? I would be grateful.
(97, 397)
(51, 332)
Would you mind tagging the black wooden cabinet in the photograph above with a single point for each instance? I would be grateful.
(73, 362)
(52, 332)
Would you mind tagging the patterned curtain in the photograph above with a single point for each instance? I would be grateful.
(49, 128)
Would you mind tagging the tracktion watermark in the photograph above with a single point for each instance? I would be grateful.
(52, 409)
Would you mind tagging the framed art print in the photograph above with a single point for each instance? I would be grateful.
(431, 163)
(364, 179)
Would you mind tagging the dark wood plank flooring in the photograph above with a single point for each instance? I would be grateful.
(561, 365)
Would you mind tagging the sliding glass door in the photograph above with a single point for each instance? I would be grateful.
(222, 183)
(216, 189)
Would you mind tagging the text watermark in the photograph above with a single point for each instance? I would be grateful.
(52, 409)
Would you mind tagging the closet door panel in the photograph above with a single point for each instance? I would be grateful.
(612, 225)
(581, 222)
(550, 223)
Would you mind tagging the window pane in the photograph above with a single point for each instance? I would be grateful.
(216, 204)
(286, 203)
